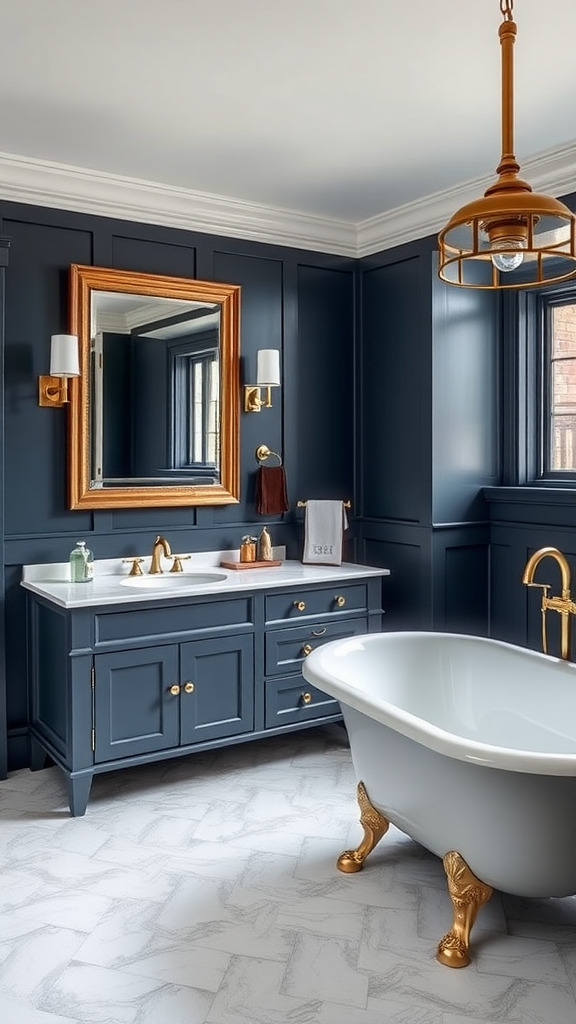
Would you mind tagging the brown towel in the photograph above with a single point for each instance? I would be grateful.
(270, 497)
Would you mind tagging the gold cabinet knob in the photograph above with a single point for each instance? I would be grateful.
(306, 698)
(340, 600)
(175, 689)
(307, 649)
(188, 687)
(300, 605)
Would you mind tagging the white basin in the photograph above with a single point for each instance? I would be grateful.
(172, 581)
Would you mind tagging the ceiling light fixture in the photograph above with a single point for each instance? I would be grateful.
(511, 237)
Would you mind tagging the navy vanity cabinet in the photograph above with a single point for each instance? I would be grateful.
(157, 698)
(122, 684)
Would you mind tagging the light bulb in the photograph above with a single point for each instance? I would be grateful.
(507, 261)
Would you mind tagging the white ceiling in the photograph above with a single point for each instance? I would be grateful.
(328, 113)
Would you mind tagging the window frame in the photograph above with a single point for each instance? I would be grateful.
(546, 303)
(526, 380)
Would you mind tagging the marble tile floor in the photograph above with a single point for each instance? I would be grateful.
(204, 890)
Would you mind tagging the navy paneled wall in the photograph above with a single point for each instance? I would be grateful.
(428, 439)
(399, 393)
(299, 302)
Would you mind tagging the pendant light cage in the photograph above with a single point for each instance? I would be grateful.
(511, 237)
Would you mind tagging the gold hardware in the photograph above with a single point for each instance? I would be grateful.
(302, 504)
(563, 605)
(188, 687)
(510, 225)
(340, 601)
(175, 689)
(160, 544)
(375, 825)
(318, 632)
(177, 563)
(307, 649)
(263, 452)
(468, 894)
(306, 698)
(253, 401)
(135, 570)
(300, 605)
(52, 391)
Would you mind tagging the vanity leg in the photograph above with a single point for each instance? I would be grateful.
(38, 755)
(78, 793)
(468, 894)
(375, 825)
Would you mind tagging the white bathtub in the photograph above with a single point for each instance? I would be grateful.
(466, 745)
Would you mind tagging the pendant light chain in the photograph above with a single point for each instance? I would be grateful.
(507, 6)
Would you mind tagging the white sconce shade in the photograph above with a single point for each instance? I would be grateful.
(268, 368)
(64, 363)
(64, 360)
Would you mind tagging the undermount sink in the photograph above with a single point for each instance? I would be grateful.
(172, 581)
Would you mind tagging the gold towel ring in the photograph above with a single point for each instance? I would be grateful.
(263, 452)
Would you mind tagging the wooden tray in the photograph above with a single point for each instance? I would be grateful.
(249, 565)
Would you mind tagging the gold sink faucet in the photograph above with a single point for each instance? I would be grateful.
(160, 545)
(563, 605)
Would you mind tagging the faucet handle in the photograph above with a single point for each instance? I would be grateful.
(135, 570)
(177, 563)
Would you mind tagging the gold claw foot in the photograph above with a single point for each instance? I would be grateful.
(468, 894)
(375, 825)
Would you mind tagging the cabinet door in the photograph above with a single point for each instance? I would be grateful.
(217, 695)
(134, 710)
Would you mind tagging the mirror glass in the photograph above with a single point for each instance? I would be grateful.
(154, 414)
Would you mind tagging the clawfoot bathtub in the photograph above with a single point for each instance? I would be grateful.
(467, 745)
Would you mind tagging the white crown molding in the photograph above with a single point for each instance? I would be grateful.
(60, 186)
(553, 171)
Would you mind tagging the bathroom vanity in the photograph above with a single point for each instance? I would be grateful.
(125, 671)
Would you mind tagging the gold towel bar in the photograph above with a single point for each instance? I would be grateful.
(302, 504)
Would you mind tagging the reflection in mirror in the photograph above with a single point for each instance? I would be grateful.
(154, 419)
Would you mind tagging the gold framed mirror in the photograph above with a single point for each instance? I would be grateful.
(154, 414)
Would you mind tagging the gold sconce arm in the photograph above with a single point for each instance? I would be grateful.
(253, 401)
(52, 391)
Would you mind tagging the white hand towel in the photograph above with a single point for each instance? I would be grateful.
(324, 525)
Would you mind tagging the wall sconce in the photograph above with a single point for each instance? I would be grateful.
(267, 376)
(64, 363)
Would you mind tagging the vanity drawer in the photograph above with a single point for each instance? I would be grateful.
(290, 700)
(337, 597)
(285, 649)
(167, 621)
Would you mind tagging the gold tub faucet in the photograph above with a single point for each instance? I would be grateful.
(160, 545)
(563, 605)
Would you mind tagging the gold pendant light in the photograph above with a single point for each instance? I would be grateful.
(511, 237)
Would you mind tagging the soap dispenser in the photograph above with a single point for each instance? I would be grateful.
(81, 563)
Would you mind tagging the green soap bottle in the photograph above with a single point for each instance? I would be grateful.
(81, 563)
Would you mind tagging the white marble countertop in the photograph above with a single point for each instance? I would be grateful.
(107, 587)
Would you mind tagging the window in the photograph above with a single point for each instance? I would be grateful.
(557, 358)
(195, 406)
